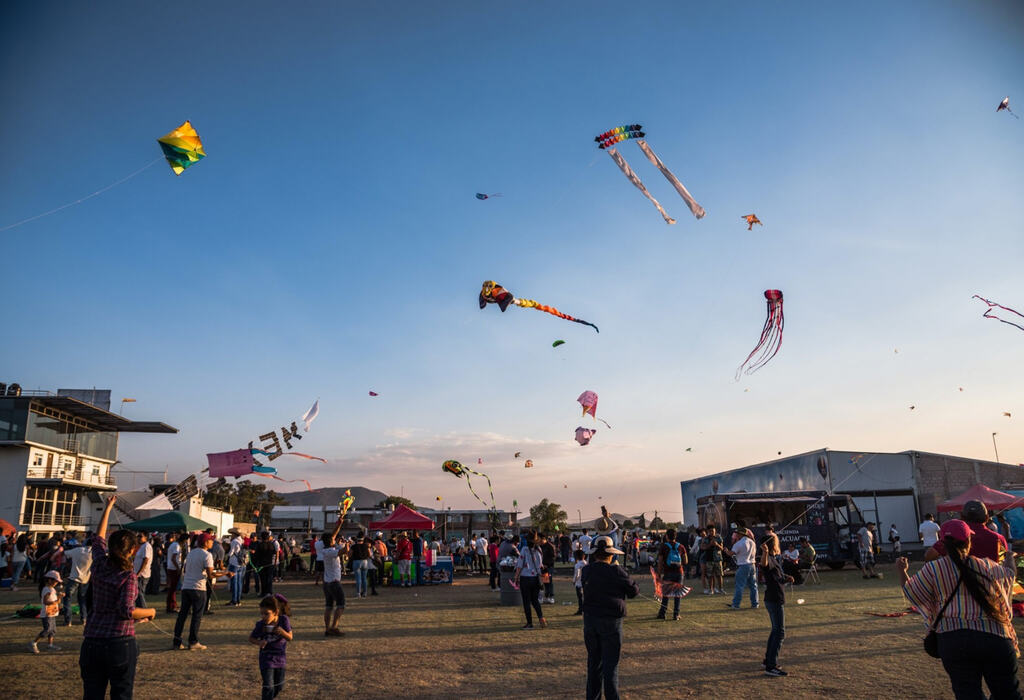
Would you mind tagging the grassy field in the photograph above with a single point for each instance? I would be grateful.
(457, 641)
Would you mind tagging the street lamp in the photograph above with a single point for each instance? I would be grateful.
(580, 514)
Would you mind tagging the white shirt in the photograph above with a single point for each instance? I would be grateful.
(318, 547)
(577, 573)
(49, 596)
(81, 564)
(481, 545)
(584, 541)
(196, 564)
(173, 552)
(792, 555)
(929, 531)
(866, 539)
(233, 549)
(332, 564)
(144, 560)
(744, 550)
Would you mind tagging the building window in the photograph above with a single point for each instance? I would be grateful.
(38, 504)
(67, 506)
(37, 459)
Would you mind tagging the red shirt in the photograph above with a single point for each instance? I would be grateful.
(404, 549)
(984, 543)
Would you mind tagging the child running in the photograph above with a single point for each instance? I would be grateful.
(272, 633)
(577, 578)
(50, 605)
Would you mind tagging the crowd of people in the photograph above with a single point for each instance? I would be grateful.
(964, 588)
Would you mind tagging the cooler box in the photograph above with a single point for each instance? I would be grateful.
(439, 568)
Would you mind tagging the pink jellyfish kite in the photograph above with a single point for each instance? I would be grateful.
(771, 336)
(583, 435)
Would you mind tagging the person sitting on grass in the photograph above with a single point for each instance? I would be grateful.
(271, 634)
(605, 588)
(334, 596)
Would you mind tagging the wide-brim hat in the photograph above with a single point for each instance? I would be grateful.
(604, 545)
(605, 526)
(234, 531)
(55, 575)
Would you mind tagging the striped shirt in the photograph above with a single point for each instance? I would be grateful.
(929, 588)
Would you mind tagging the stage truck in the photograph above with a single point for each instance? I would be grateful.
(830, 522)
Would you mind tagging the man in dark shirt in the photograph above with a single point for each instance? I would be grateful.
(417, 555)
(263, 561)
(547, 554)
(605, 589)
(671, 560)
(564, 548)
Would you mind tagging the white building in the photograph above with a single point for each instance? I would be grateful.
(56, 452)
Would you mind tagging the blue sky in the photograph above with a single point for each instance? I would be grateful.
(331, 244)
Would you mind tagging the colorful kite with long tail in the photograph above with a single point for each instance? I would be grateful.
(607, 141)
(771, 336)
(668, 589)
(494, 293)
(456, 468)
(992, 304)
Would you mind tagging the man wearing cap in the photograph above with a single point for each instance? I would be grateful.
(403, 555)
(236, 565)
(198, 568)
(984, 542)
(605, 589)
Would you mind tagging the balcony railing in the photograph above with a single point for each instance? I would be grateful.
(56, 520)
(76, 474)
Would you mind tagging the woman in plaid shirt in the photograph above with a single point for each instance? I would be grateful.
(109, 651)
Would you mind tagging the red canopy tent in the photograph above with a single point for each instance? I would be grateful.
(993, 500)
(404, 518)
(7, 528)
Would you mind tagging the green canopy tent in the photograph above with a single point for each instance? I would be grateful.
(172, 521)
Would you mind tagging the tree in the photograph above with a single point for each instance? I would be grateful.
(248, 501)
(548, 517)
(627, 524)
(657, 523)
(396, 501)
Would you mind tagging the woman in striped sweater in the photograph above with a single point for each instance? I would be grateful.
(975, 632)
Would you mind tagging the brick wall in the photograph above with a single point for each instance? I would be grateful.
(940, 477)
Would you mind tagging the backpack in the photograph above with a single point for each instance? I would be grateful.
(673, 554)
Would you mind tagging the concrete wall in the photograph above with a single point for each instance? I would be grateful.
(941, 477)
(13, 461)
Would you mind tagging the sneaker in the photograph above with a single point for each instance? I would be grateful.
(660, 616)
(526, 627)
(334, 632)
(543, 623)
(197, 646)
(53, 647)
(33, 647)
(719, 591)
(707, 592)
(732, 607)
(675, 617)
(775, 672)
(68, 623)
(754, 607)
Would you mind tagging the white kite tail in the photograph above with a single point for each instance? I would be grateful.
(628, 172)
(698, 210)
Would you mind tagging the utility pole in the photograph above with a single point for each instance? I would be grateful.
(994, 446)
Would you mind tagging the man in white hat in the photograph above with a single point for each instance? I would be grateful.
(605, 588)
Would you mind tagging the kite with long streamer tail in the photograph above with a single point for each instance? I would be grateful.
(988, 312)
(345, 504)
(771, 336)
(456, 468)
(668, 589)
(607, 141)
(494, 293)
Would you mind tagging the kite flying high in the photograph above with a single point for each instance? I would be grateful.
(751, 219)
(182, 147)
(494, 293)
(771, 336)
(1005, 104)
(607, 141)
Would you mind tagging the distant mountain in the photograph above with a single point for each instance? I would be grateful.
(365, 498)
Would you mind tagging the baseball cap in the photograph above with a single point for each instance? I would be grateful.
(957, 529)
(604, 545)
(974, 512)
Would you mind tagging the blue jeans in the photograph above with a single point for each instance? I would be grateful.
(968, 656)
(603, 638)
(360, 567)
(194, 602)
(140, 599)
(18, 568)
(745, 578)
(674, 577)
(236, 583)
(273, 682)
(108, 660)
(777, 613)
(74, 590)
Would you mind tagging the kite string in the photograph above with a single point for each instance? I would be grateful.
(90, 196)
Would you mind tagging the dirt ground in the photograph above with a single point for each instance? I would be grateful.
(457, 642)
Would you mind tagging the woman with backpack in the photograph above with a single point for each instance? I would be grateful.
(671, 559)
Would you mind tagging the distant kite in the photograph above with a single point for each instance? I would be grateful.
(771, 336)
(516, 455)
(584, 435)
(751, 219)
(374, 393)
(1006, 413)
(588, 399)
(528, 464)
(609, 139)
(912, 408)
(182, 148)
(480, 195)
(345, 504)
(309, 416)
(494, 293)
(988, 312)
(557, 343)
(1005, 104)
